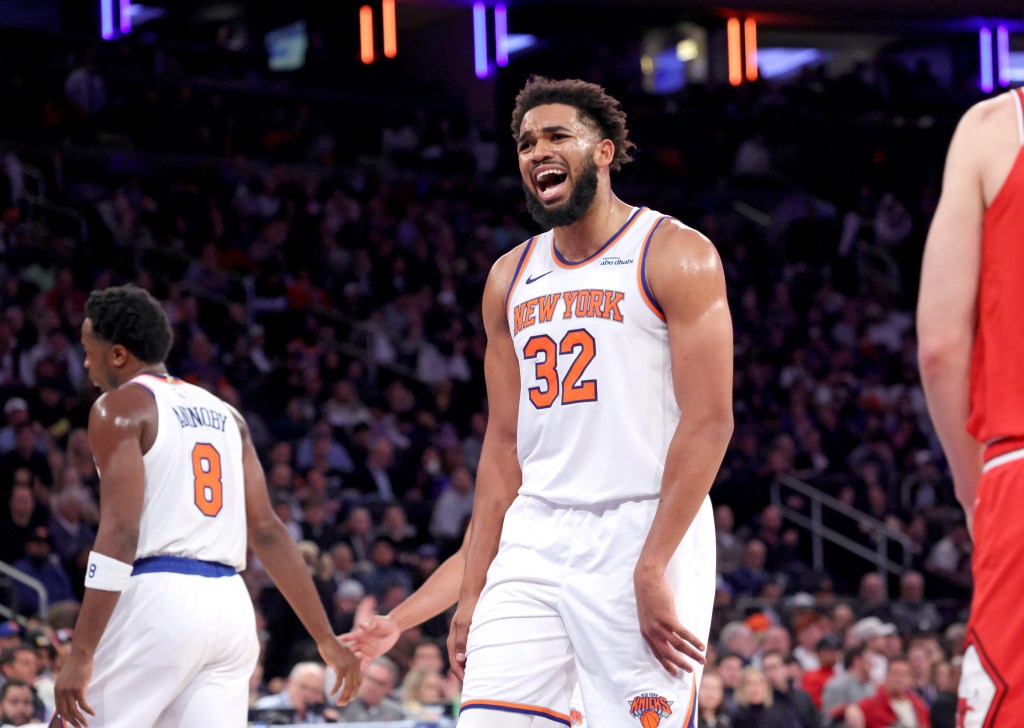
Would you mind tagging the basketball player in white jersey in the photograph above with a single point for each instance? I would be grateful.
(600, 332)
(167, 635)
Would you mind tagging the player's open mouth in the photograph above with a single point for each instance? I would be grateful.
(550, 182)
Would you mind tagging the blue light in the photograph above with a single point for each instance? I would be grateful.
(107, 19)
(985, 43)
(480, 39)
(500, 35)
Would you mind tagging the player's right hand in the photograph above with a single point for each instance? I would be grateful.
(348, 675)
(69, 689)
(457, 638)
(372, 639)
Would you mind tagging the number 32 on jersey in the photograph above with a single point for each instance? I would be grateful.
(572, 387)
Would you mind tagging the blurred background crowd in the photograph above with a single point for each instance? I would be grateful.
(322, 257)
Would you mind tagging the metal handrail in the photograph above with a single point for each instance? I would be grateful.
(31, 583)
(879, 555)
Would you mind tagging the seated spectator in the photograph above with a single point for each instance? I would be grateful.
(828, 655)
(755, 707)
(16, 703)
(729, 548)
(751, 576)
(873, 601)
(791, 700)
(421, 687)
(809, 627)
(894, 703)
(41, 564)
(711, 702)
(911, 613)
(737, 638)
(373, 701)
(729, 669)
(453, 507)
(304, 693)
(848, 688)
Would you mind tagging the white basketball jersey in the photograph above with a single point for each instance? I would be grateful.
(194, 504)
(596, 407)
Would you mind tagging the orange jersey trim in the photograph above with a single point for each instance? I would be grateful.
(517, 708)
(691, 717)
(641, 273)
(524, 259)
(569, 265)
(167, 378)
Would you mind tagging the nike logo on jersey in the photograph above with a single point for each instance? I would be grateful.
(534, 279)
(586, 303)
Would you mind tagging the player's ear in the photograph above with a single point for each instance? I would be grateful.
(604, 153)
(118, 355)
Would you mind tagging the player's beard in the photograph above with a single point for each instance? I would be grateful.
(584, 190)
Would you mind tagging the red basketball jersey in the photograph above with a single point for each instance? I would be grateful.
(997, 362)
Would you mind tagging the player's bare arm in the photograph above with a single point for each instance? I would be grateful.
(499, 476)
(122, 426)
(979, 158)
(686, 277)
(275, 549)
(374, 635)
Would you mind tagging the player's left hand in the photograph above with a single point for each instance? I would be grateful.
(673, 645)
(69, 689)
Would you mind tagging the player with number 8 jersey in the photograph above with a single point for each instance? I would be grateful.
(167, 632)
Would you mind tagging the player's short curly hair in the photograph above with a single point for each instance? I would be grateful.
(592, 101)
(131, 317)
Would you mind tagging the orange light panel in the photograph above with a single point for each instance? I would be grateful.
(735, 52)
(366, 34)
(390, 34)
(750, 39)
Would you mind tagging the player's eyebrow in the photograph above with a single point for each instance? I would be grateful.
(546, 130)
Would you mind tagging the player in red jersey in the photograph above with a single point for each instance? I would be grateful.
(972, 365)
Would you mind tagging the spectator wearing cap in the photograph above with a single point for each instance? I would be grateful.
(809, 627)
(875, 634)
(848, 688)
(894, 704)
(16, 413)
(10, 634)
(828, 649)
(346, 598)
(40, 563)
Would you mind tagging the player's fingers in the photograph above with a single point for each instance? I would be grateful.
(85, 706)
(680, 645)
(339, 678)
(690, 637)
(352, 685)
(365, 611)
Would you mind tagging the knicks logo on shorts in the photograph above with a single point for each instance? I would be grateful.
(649, 709)
(981, 690)
(575, 717)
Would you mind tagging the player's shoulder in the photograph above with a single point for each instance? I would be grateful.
(503, 270)
(675, 242)
(125, 405)
(984, 118)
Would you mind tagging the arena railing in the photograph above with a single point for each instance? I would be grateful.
(35, 585)
(820, 503)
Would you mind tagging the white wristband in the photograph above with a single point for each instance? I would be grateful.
(107, 574)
